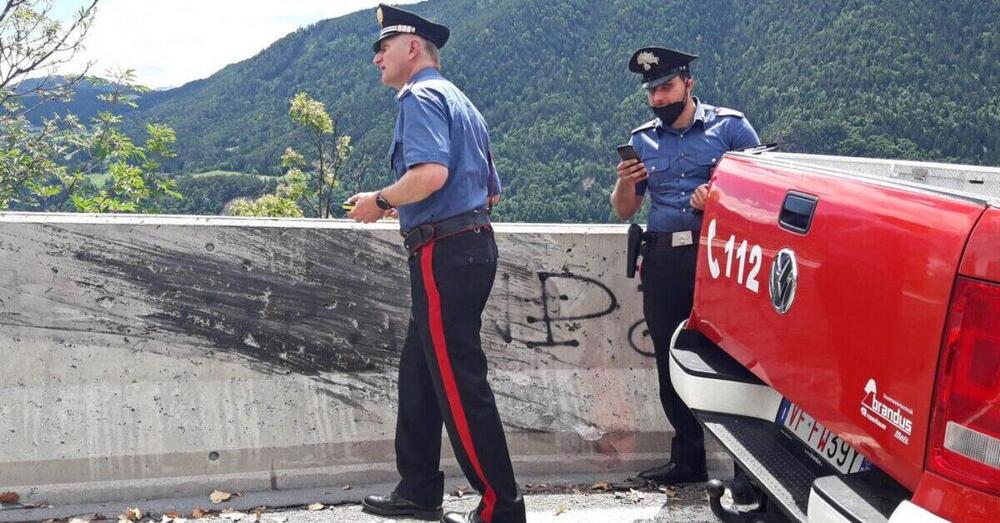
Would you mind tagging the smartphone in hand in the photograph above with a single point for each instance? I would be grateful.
(627, 152)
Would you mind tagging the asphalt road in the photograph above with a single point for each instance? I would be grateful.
(585, 505)
(560, 499)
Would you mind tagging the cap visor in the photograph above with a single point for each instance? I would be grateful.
(378, 43)
(659, 81)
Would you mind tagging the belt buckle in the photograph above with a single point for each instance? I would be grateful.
(681, 239)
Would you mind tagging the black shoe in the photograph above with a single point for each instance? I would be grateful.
(461, 517)
(393, 505)
(673, 474)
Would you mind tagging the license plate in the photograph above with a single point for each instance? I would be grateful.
(820, 440)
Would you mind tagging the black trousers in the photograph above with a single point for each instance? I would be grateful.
(442, 379)
(667, 295)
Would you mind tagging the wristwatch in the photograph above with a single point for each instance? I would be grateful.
(382, 202)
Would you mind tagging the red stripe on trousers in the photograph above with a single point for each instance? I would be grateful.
(448, 377)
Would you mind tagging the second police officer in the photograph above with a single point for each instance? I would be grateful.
(677, 151)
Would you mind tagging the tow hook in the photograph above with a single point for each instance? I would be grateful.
(762, 513)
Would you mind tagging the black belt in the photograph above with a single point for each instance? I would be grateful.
(649, 235)
(421, 235)
(637, 239)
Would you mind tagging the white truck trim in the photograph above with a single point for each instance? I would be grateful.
(722, 396)
(820, 511)
(907, 512)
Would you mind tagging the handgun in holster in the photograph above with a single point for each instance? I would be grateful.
(634, 244)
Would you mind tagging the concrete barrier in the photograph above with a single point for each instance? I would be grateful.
(152, 357)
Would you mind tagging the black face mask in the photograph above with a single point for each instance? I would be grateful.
(668, 114)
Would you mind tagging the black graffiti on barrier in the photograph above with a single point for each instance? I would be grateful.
(547, 319)
(637, 334)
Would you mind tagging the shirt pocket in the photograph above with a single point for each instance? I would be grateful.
(658, 169)
(704, 166)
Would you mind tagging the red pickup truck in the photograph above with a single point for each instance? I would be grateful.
(844, 344)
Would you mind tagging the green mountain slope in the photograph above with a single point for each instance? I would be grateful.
(893, 78)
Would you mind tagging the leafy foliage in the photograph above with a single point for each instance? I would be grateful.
(329, 151)
(309, 185)
(48, 164)
(210, 193)
(273, 205)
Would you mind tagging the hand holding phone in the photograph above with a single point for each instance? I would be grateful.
(634, 173)
(627, 152)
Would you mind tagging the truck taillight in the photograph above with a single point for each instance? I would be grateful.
(965, 431)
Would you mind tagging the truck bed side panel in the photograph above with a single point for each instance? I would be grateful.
(859, 346)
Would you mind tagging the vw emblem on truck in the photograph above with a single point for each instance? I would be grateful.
(784, 278)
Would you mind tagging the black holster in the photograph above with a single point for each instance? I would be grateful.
(632, 254)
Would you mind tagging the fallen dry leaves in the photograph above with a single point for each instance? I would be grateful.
(601, 485)
(632, 496)
(9, 497)
(218, 496)
(131, 514)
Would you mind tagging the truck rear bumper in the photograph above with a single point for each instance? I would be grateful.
(739, 410)
(907, 512)
(823, 510)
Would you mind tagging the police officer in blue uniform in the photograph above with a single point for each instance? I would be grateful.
(677, 151)
(445, 183)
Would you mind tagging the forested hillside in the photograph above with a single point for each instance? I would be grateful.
(894, 78)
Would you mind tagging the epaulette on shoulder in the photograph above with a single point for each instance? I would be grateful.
(725, 111)
(407, 89)
(648, 125)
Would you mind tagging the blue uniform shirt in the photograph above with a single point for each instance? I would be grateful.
(679, 161)
(438, 124)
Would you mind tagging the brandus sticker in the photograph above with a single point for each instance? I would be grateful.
(886, 412)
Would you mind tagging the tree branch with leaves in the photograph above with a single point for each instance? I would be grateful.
(33, 43)
(309, 185)
(47, 166)
(330, 152)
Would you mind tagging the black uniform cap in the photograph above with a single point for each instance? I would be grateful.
(658, 65)
(394, 21)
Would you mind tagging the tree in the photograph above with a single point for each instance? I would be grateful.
(331, 151)
(307, 187)
(31, 42)
(46, 167)
(293, 188)
(135, 181)
(273, 205)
